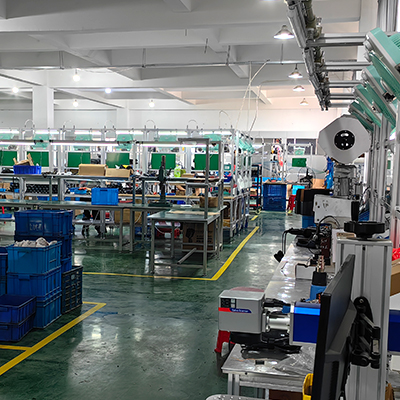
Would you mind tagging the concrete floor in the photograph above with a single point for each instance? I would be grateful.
(154, 338)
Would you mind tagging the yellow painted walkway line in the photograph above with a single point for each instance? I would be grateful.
(217, 275)
(254, 218)
(31, 350)
(20, 348)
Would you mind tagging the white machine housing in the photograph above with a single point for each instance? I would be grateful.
(240, 311)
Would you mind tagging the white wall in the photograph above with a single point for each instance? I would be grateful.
(270, 123)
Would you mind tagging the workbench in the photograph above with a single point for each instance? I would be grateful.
(189, 215)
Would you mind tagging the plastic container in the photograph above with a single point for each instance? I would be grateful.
(66, 242)
(27, 169)
(14, 333)
(43, 223)
(274, 190)
(39, 285)
(33, 260)
(274, 204)
(3, 285)
(71, 289)
(3, 261)
(295, 188)
(5, 216)
(307, 221)
(105, 196)
(66, 265)
(16, 309)
(47, 311)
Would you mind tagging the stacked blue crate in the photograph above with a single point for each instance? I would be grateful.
(3, 270)
(51, 225)
(36, 272)
(274, 197)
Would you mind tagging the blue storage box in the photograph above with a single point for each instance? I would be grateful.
(27, 169)
(47, 311)
(5, 216)
(3, 261)
(274, 204)
(307, 221)
(105, 196)
(14, 333)
(66, 265)
(3, 285)
(43, 223)
(274, 190)
(71, 289)
(33, 260)
(39, 285)
(66, 242)
(16, 309)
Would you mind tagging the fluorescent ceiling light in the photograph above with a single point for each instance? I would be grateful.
(83, 143)
(298, 88)
(152, 104)
(284, 33)
(304, 102)
(76, 76)
(75, 103)
(295, 74)
(108, 90)
(18, 142)
(15, 89)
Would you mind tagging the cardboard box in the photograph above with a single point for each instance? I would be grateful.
(318, 184)
(126, 217)
(118, 173)
(226, 223)
(92, 169)
(193, 236)
(395, 278)
(212, 202)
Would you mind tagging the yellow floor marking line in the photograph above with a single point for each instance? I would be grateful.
(254, 218)
(31, 350)
(217, 275)
(21, 348)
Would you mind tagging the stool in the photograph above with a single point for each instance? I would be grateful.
(291, 203)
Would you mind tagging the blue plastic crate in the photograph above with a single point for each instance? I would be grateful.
(14, 333)
(105, 196)
(33, 260)
(43, 223)
(47, 311)
(15, 309)
(307, 221)
(5, 216)
(71, 289)
(66, 242)
(78, 191)
(3, 285)
(66, 265)
(274, 204)
(27, 169)
(3, 261)
(39, 285)
(274, 190)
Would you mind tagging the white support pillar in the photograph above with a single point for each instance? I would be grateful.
(123, 118)
(43, 107)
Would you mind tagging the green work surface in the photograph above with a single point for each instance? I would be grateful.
(75, 158)
(299, 162)
(114, 159)
(40, 158)
(7, 158)
(170, 160)
(200, 162)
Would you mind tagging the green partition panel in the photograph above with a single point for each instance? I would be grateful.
(114, 159)
(200, 162)
(170, 160)
(7, 158)
(75, 158)
(40, 157)
(299, 162)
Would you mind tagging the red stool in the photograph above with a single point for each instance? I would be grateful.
(223, 336)
(291, 202)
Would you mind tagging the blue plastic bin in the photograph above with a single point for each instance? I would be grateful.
(3, 261)
(274, 204)
(27, 169)
(39, 285)
(3, 285)
(14, 333)
(105, 196)
(307, 221)
(47, 311)
(274, 190)
(15, 309)
(5, 216)
(66, 265)
(43, 223)
(71, 289)
(33, 260)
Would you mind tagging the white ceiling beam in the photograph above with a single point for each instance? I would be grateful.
(179, 5)
(174, 95)
(95, 97)
(3, 9)
(260, 94)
